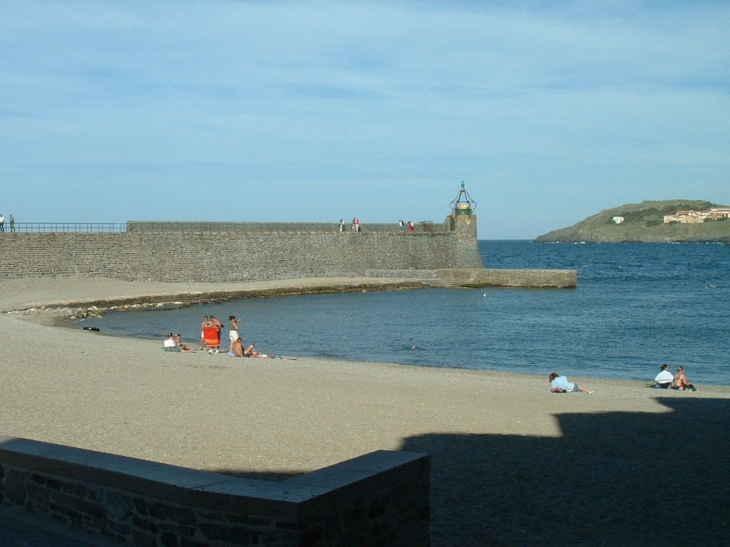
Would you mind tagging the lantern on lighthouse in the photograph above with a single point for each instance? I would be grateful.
(463, 204)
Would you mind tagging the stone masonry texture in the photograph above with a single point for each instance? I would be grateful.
(214, 256)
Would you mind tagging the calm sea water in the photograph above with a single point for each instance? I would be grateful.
(636, 306)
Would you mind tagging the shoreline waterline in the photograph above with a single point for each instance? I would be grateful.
(67, 312)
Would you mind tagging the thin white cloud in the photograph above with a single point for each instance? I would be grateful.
(330, 96)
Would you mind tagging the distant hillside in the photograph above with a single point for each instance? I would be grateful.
(643, 222)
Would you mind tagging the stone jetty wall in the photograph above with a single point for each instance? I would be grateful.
(211, 255)
(183, 252)
(380, 498)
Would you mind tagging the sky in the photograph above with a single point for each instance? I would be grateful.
(287, 111)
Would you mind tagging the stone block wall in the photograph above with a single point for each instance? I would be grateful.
(209, 256)
(377, 499)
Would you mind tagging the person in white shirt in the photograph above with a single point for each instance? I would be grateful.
(169, 343)
(558, 382)
(664, 379)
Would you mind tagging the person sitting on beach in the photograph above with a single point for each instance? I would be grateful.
(681, 382)
(183, 347)
(250, 351)
(169, 343)
(664, 379)
(236, 348)
(558, 382)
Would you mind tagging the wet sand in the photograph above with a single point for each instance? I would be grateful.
(513, 464)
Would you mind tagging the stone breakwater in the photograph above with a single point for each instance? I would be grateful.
(235, 256)
(243, 257)
(94, 307)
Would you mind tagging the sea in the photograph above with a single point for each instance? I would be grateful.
(636, 306)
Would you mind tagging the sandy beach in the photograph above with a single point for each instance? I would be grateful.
(513, 464)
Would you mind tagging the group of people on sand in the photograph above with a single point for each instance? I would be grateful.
(211, 322)
(236, 347)
(666, 380)
(174, 342)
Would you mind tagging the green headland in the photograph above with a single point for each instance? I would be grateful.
(650, 222)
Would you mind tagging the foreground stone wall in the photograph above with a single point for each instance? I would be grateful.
(377, 499)
(210, 256)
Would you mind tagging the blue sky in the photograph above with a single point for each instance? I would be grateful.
(312, 111)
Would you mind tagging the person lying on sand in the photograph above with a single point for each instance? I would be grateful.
(558, 382)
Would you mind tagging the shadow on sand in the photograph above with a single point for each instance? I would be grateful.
(611, 479)
(617, 478)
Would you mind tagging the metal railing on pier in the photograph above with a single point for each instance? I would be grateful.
(66, 227)
(268, 227)
(193, 227)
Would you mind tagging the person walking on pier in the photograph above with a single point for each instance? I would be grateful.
(12, 223)
(2, 223)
